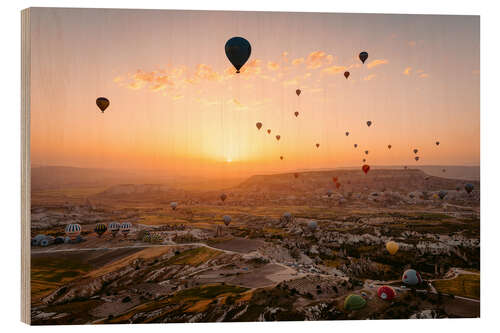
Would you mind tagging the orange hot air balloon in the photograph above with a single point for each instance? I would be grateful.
(259, 125)
(317, 145)
(281, 158)
(365, 168)
(102, 103)
(278, 137)
(298, 91)
(269, 131)
(346, 75)
(392, 247)
(296, 113)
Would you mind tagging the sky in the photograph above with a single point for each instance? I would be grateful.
(177, 106)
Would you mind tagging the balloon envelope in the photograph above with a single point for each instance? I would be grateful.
(469, 188)
(363, 56)
(259, 125)
(365, 168)
(386, 293)
(369, 123)
(278, 137)
(296, 113)
(227, 219)
(102, 103)
(223, 196)
(298, 91)
(392, 247)
(238, 51)
(411, 277)
(346, 74)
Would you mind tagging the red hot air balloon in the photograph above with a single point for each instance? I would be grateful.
(298, 91)
(335, 179)
(365, 168)
(269, 131)
(386, 293)
(337, 185)
(259, 125)
(346, 75)
(278, 137)
(296, 113)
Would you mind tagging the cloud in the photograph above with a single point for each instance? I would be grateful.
(273, 66)
(412, 43)
(297, 61)
(118, 79)
(423, 75)
(335, 69)
(316, 59)
(369, 77)
(377, 62)
(407, 71)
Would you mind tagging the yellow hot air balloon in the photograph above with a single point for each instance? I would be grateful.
(392, 247)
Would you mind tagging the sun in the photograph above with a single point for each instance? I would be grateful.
(229, 160)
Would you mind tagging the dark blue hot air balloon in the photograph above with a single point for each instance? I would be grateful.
(238, 51)
(469, 188)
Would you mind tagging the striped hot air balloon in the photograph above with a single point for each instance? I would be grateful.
(100, 229)
(73, 230)
(125, 228)
(114, 227)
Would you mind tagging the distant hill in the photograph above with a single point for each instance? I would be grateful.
(350, 180)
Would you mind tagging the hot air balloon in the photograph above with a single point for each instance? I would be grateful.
(317, 145)
(364, 160)
(102, 103)
(405, 167)
(298, 91)
(312, 225)
(226, 219)
(269, 131)
(386, 293)
(411, 277)
(329, 193)
(346, 133)
(389, 146)
(238, 51)
(73, 230)
(278, 137)
(417, 158)
(363, 56)
(100, 229)
(259, 125)
(114, 227)
(354, 302)
(125, 228)
(355, 145)
(366, 152)
(335, 179)
(173, 205)
(365, 168)
(369, 123)
(444, 170)
(296, 175)
(442, 194)
(392, 247)
(287, 217)
(223, 196)
(437, 143)
(469, 188)
(346, 75)
(296, 113)
(415, 151)
(337, 185)
(281, 158)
